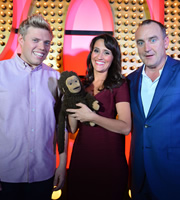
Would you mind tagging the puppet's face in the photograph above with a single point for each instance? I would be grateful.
(73, 84)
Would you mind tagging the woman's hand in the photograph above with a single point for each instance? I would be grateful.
(83, 113)
(122, 125)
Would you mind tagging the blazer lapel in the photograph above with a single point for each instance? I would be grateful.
(166, 77)
(138, 92)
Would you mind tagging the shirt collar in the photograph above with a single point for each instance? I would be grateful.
(160, 71)
(144, 73)
(25, 65)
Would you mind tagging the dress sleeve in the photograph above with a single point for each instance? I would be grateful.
(122, 93)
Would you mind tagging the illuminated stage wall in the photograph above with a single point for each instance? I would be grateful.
(76, 22)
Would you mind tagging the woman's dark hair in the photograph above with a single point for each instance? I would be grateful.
(114, 77)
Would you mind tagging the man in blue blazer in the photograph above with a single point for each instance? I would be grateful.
(155, 104)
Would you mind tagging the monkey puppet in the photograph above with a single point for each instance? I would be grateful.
(73, 92)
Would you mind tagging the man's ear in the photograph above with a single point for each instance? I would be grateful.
(166, 42)
(20, 39)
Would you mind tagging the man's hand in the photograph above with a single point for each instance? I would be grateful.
(59, 178)
(60, 174)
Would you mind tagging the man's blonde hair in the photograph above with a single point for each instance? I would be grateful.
(36, 21)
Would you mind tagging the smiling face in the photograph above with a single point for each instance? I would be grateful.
(151, 45)
(73, 84)
(101, 57)
(35, 45)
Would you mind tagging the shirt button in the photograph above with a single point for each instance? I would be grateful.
(31, 150)
(33, 109)
(32, 130)
(146, 126)
(33, 90)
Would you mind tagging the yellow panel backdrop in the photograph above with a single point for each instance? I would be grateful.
(127, 14)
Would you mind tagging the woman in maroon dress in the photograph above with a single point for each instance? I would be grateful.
(98, 168)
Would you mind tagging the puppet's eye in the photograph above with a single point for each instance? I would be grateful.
(70, 83)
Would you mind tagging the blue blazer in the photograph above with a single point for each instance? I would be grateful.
(155, 145)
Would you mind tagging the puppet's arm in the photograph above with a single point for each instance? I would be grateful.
(61, 131)
(92, 102)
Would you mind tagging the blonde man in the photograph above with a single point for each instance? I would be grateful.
(28, 95)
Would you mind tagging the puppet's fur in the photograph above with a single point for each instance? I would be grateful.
(69, 101)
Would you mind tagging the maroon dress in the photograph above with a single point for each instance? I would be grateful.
(98, 167)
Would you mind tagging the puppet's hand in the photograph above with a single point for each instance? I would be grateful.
(92, 123)
(95, 105)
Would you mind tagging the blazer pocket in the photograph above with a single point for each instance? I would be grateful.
(174, 153)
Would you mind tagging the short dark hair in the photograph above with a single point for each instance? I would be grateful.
(149, 21)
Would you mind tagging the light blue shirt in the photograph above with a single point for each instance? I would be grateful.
(27, 121)
(148, 88)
